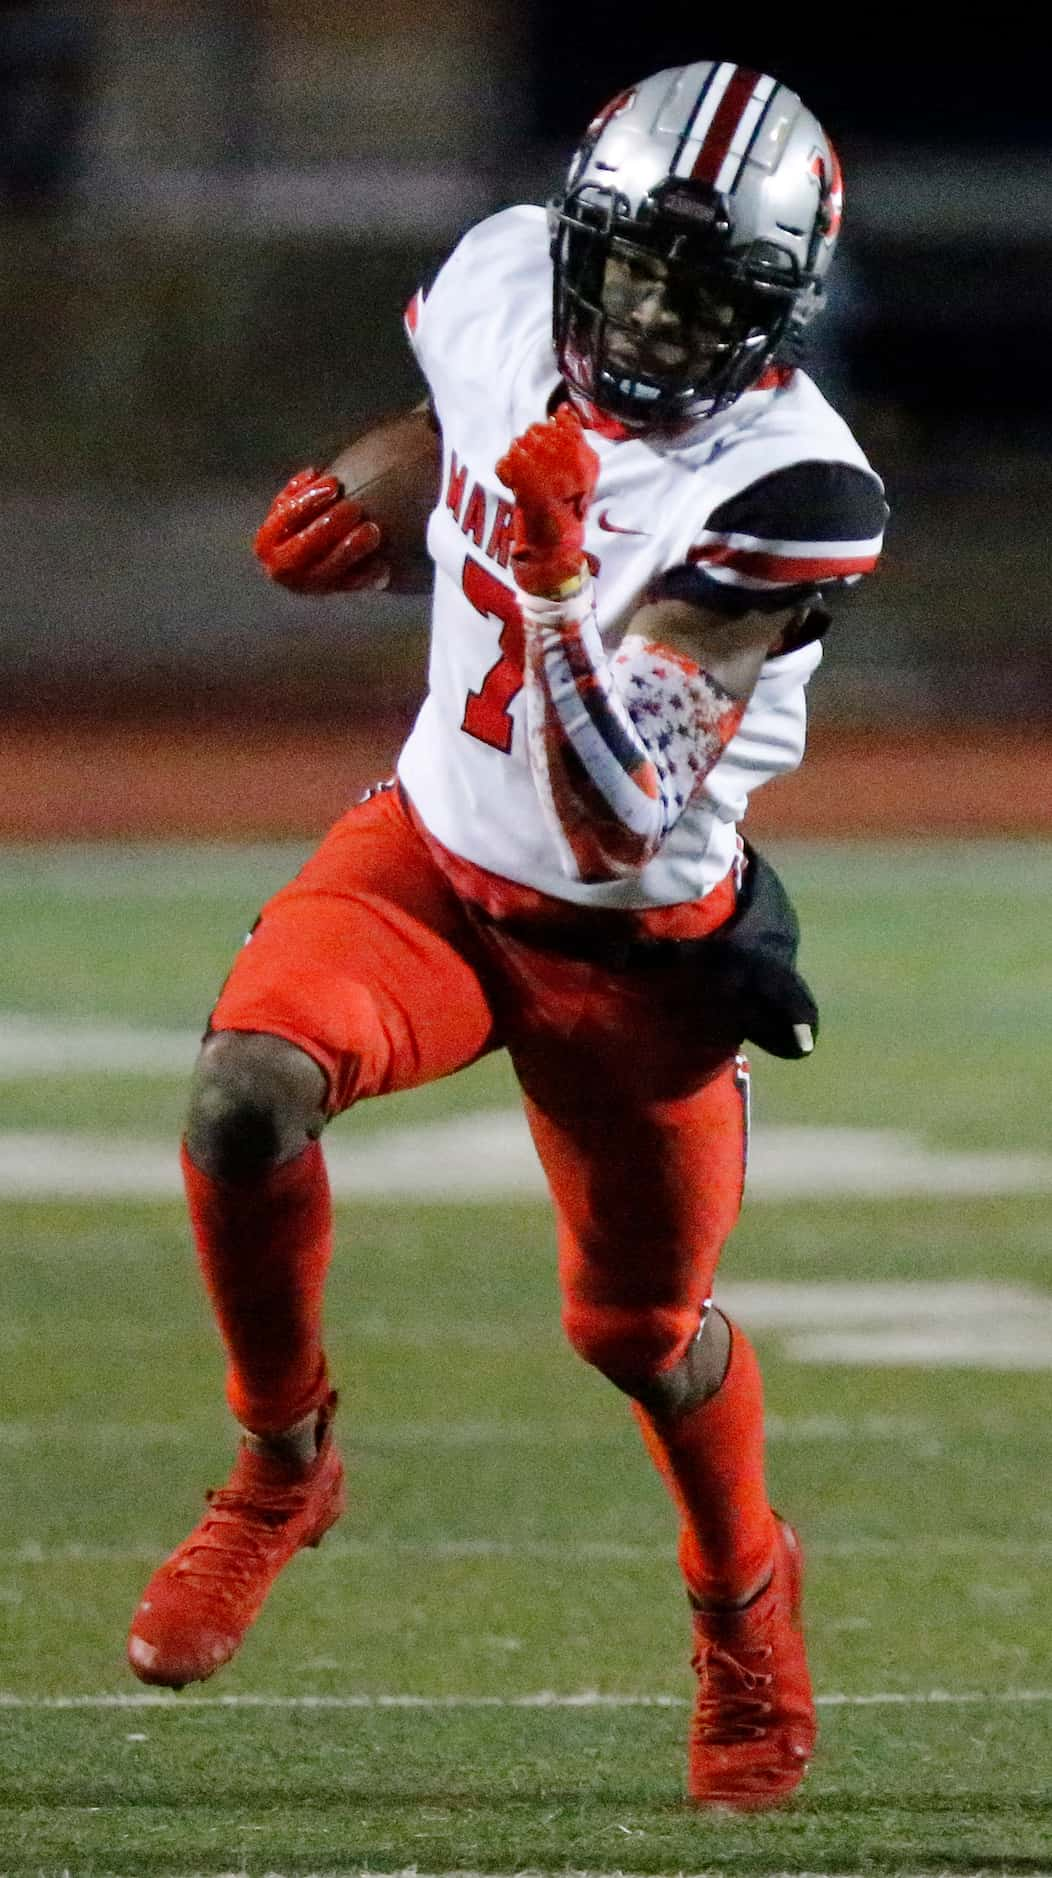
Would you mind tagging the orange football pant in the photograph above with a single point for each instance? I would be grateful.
(391, 963)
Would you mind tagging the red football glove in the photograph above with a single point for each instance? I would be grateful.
(317, 540)
(552, 473)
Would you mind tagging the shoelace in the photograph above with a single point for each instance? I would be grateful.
(219, 1553)
(733, 1703)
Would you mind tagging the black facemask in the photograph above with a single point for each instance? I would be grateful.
(716, 320)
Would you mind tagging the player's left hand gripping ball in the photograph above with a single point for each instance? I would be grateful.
(552, 472)
(315, 539)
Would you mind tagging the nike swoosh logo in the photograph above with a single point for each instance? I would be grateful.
(612, 528)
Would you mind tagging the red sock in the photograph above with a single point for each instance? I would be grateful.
(712, 1463)
(264, 1249)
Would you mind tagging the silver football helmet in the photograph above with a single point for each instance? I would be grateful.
(691, 242)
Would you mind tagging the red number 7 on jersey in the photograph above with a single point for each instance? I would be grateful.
(486, 714)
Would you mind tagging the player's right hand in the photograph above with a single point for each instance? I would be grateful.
(315, 539)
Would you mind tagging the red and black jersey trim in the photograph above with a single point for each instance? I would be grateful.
(782, 540)
(698, 588)
(417, 301)
(809, 501)
(413, 310)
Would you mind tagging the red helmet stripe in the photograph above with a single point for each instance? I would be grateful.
(729, 113)
(602, 118)
(836, 197)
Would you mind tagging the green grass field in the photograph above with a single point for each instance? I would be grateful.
(506, 1540)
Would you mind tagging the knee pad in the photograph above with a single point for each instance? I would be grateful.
(629, 1344)
(256, 1101)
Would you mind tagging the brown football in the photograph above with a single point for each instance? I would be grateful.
(394, 472)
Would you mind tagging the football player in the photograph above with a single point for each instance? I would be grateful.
(638, 502)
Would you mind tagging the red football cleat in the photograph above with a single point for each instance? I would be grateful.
(200, 1602)
(753, 1727)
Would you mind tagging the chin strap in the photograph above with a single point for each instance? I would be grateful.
(619, 746)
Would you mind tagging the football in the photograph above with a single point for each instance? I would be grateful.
(394, 472)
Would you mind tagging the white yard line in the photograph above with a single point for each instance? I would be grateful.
(925, 1325)
(32, 1048)
(782, 1429)
(147, 870)
(488, 1156)
(622, 1871)
(60, 1432)
(542, 1699)
(966, 1324)
(480, 1157)
(967, 1546)
(218, 869)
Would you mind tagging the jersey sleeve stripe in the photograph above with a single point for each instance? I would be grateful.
(713, 541)
(757, 582)
(786, 569)
(721, 590)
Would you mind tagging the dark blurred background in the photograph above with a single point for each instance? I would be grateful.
(212, 215)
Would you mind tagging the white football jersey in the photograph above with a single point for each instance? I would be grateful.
(764, 501)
